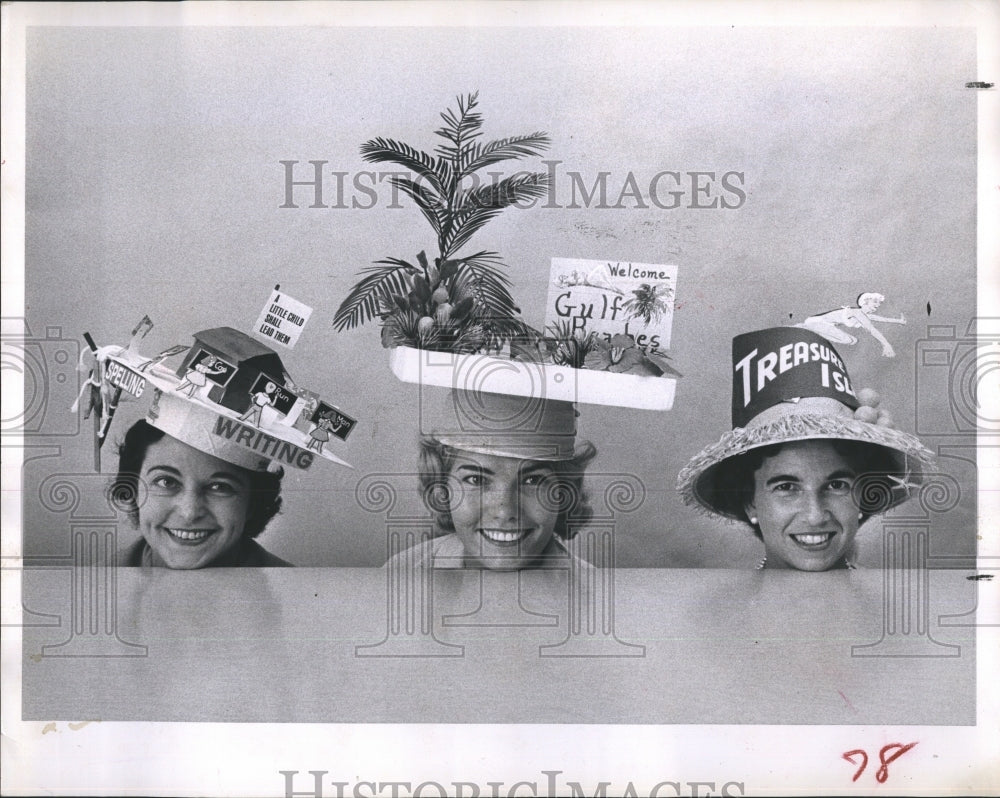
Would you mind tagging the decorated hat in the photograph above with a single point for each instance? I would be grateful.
(527, 427)
(229, 397)
(790, 384)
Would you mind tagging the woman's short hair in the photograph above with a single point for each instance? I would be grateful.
(863, 297)
(872, 460)
(264, 486)
(566, 494)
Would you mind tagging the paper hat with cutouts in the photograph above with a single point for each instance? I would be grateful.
(231, 397)
(790, 384)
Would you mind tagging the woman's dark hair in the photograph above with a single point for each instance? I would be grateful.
(565, 493)
(736, 475)
(265, 486)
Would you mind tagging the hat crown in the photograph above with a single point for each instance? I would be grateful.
(529, 427)
(785, 364)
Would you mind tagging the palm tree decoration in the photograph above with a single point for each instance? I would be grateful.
(457, 303)
(648, 303)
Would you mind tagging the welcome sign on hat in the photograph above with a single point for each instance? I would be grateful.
(785, 364)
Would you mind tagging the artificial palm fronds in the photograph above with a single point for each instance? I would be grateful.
(458, 303)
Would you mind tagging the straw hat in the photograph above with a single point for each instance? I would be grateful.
(789, 384)
(527, 427)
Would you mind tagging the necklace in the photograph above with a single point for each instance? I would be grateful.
(846, 564)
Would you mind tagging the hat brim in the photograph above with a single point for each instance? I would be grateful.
(505, 448)
(700, 485)
(195, 424)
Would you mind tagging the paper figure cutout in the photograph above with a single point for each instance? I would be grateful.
(860, 316)
(268, 392)
(261, 399)
(197, 377)
(329, 420)
(320, 434)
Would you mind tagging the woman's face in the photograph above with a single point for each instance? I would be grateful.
(499, 510)
(804, 505)
(196, 506)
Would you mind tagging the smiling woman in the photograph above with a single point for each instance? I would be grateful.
(799, 498)
(200, 476)
(503, 478)
(199, 510)
(807, 461)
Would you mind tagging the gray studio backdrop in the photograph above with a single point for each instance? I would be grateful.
(155, 186)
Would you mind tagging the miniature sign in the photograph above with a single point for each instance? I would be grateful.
(203, 368)
(282, 319)
(280, 451)
(276, 394)
(613, 298)
(785, 364)
(122, 377)
(326, 417)
(267, 392)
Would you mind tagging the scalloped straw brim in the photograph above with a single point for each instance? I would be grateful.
(696, 482)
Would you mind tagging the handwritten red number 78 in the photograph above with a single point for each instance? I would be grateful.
(883, 772)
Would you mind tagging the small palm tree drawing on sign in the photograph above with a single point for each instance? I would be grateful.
(649, 302)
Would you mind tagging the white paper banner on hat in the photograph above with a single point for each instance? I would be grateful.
(282, 319)
(611, 297)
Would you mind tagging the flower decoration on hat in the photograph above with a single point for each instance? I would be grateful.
(458, 303)
(461, 304)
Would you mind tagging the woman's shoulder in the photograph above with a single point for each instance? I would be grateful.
(131, 556)
(444, 551)
(253, 555)
(250, 554)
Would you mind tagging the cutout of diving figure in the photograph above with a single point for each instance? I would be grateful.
(828, 324)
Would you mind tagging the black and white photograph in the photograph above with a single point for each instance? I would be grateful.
(500, 399)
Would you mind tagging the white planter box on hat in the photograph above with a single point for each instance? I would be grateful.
(523, 378)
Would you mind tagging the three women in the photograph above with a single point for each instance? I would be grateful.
(807, 463)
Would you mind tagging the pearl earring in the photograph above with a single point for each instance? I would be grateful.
(860, 516)
(753, 520)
